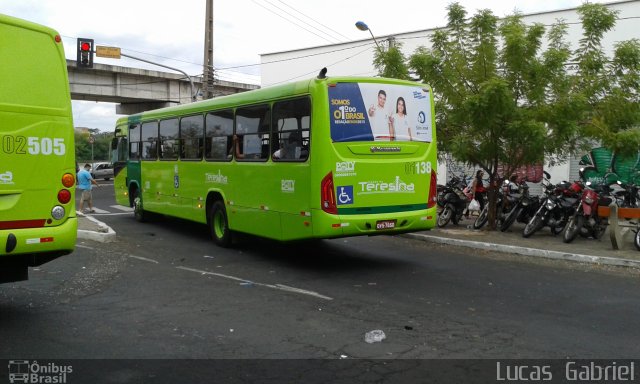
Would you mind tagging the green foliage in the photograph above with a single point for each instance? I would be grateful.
(391, 62)
(101, 146)
(610, 86)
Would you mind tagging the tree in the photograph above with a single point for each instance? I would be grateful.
(101, 146)
(609, 85)
(503, 101)
(390, 62)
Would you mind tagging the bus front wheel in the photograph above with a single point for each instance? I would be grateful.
(138, 211)
(218, 225)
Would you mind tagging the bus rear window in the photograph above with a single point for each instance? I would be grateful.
(380, 112)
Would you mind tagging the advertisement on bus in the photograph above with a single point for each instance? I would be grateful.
(379, 112)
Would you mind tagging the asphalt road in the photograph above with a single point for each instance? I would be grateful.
(165, 291)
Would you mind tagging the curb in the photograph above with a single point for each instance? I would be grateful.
(533, 252)
(104, 234)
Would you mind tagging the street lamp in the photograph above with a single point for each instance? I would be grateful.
(361, 25)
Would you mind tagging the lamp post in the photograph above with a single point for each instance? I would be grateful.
(361, 25)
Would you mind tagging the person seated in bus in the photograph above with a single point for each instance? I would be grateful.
(235, 148)
(292, 149)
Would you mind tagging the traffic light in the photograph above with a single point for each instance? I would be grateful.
(85, 53)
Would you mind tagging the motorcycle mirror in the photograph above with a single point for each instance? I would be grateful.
(547, 175)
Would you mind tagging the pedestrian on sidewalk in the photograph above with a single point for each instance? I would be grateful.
(477, 188)
(85, 183)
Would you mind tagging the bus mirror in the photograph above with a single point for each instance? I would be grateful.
(114, 143)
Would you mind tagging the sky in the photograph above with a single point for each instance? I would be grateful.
(173, 33)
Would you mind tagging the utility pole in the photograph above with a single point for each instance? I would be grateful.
(207, 79)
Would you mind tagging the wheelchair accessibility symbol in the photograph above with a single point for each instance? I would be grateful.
(345, 195)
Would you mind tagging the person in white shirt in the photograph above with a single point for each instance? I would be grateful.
(380, 119)
(399, 120)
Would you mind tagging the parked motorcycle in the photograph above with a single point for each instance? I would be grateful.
(502, 202)
(628, 197)
(556, 207)
(585, 220)
(452, 201)
(523, 209)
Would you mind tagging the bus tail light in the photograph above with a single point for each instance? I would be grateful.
(328, 195)
(433, 184)
(64, 196)
(68, 180)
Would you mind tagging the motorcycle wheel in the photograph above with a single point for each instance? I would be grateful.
(559, 227)
(573, 228)
(511, 218)
(445, 216)
(532, 226)
(636, 240)
(599, 230)
(481, 220)
(456, 217)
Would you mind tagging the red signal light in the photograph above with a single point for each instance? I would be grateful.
(85, 53)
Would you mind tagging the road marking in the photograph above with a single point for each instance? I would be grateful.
(245, 281)
(98, 210)
(122, 208)
(83, 246)
(144, 259)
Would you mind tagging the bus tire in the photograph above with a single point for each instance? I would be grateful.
(219, 225)
(138, 211)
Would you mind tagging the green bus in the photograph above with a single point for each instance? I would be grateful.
(319, 158)
(37, 153)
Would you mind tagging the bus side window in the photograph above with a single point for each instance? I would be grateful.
(169, 139)
(252, 125)
(191, 130)
(218, 135)
(149, 140)
(292, 125)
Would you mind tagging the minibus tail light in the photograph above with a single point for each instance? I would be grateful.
(68, 180)
(328, 195)
(433, 198)
(64, 196)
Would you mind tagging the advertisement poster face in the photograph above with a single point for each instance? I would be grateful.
(379, 112)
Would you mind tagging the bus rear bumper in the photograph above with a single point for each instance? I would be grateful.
(327, 225)
(36, 246)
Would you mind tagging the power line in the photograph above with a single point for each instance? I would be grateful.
(315, 21)
(290, 21)
(301, 57)
(297, 18)
(327, 66)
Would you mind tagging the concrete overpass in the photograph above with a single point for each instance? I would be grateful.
(137, 90)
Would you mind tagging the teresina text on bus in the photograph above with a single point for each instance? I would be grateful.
(216, 178)
(398, 186)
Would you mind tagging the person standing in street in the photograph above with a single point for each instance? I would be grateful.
(85, 183)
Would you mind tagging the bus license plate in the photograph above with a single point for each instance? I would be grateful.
(385, 224)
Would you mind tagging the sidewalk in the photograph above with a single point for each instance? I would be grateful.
(540, 244)
(92, 229)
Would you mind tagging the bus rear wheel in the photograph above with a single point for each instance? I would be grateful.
(219, 225)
